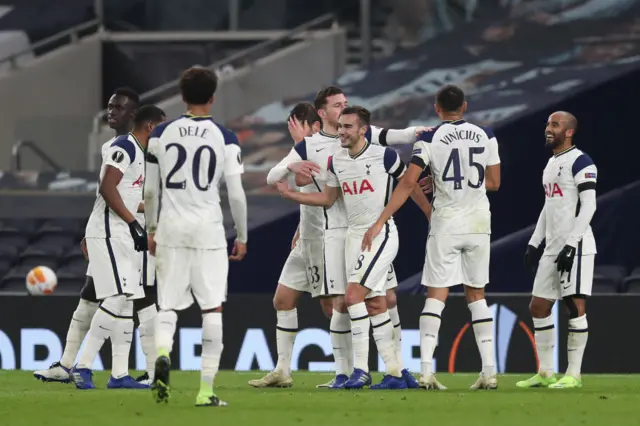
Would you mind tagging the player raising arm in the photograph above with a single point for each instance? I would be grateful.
(464, 162)
(565, 265)
(190, 156)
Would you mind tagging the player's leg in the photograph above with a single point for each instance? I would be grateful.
(441, 271)
(78, 328)
(544, 294)
(209, 272)
(173, 277)
(145, 309)
(366, 282)
(293, 281)
(334, 286)
(475, 257)
(392, 307)
(574, 292)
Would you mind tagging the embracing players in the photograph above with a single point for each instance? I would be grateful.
(361, 174)
(188, 157)
(464, 163)
(316, 264)
(565, 264)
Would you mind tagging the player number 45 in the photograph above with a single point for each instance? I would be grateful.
(454, 163)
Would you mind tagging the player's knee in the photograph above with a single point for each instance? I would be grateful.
(211, 311)
(473, 294)
(327, 306)
(392, 299)
(376, 306)
(540, 308)
(340, 304)
(575, 306)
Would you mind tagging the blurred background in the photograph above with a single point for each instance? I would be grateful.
(517, 60)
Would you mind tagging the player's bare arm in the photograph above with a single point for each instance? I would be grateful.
(140, 208)
(302, 180)
(109, 191)
(296, 237)
(406, 186)
(492, 180)
(419, 197)
(326, 198)
(238, 206)
(292, 163)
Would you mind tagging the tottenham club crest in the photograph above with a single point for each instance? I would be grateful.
(117, 156)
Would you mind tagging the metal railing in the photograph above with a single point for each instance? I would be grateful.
(246, 55)
(16, 156)
(74, 34)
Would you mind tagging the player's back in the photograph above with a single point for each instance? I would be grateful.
(459, 153)
(193, 154)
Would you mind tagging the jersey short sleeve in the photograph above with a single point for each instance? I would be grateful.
(585, 173)
(376, 135)
(301, 149)
(493, 155)
(393, 164)
(152, 151)
(120, 154)
(332, 179)
(233, 160)
(420, 155)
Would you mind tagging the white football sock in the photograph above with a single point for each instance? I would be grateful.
(340, 329)
(121, 337)
(211, 347)
(545, 335)
(78, 328)
(360, 326)
(286, 331)
(383, 336)
(102, 326)
(147, 330)
(166, 322)
(482, 320)
(429, 327)
(397, 334)
(577, 342)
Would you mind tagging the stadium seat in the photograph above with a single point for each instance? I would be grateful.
(56, 244)
(33, 257)
(24, 226)
(69, 282)
(59, 226)
(8, 251)
(75, 266)
(608, 278)
(14, 237)
(631, 284)
(5, 266)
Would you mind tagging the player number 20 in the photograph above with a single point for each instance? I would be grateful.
(197, 161)
(454, 163)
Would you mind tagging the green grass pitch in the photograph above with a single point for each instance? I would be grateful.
(603, 400)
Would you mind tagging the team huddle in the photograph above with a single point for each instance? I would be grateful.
(156, 237)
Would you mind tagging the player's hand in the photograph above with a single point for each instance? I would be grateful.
(151, 244)
(295, 239)
(139, 236)
(532, 257)
(565, 259)
(426, 184)
(371, 234)
(297, 130)
(422, 129)
(303, 180)
(238, 252)
(304, 168)
(83, 247)
(283, 188)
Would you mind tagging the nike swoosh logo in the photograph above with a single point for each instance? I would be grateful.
(318, 150)
(129, 332)
(565, 287)
(390, 279)
(340, 171)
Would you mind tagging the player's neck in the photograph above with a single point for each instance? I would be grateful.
(451, 117)
(329, 129)
(198, 110)
(140, 139)
(564, 147)
(358, 147)
(122, 132)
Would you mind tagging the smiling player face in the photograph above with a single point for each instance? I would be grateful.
(557, 130)
(349, 130)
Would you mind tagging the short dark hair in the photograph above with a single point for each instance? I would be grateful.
(321, 98)
(128, 92)
(198, 85)
(148, 113)
(305, 111)
(450, 98)
(363, 114)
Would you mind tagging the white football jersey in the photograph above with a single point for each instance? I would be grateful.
(193, 154)
(564, 176)
(458, 154)
(127, 155)
(365, 182)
